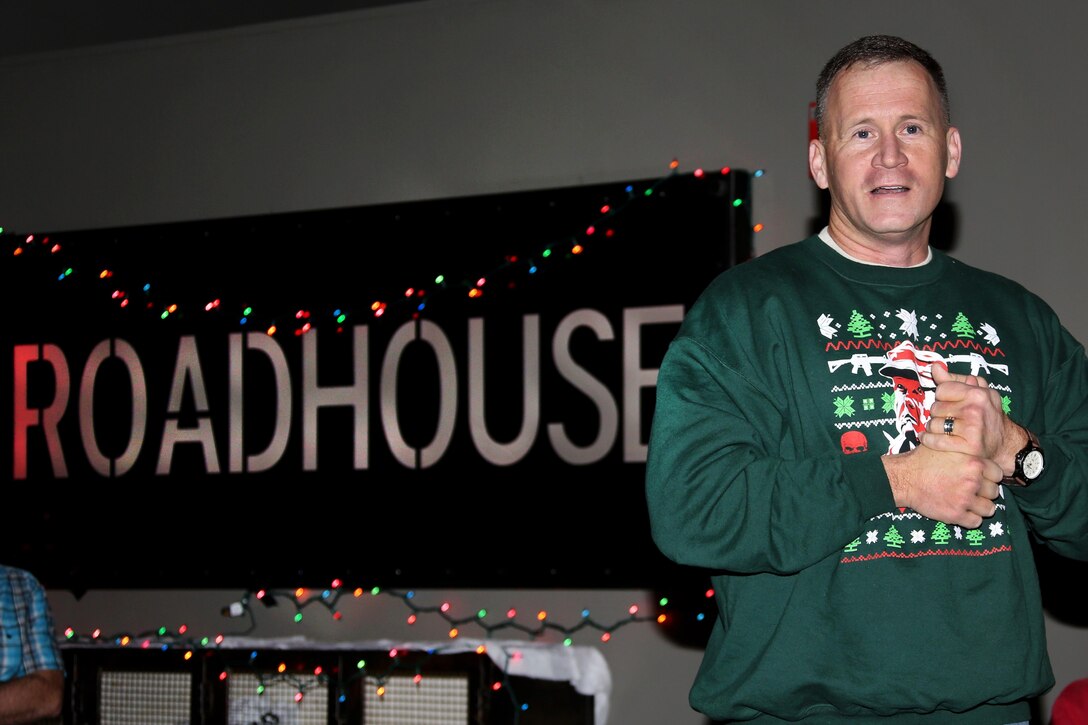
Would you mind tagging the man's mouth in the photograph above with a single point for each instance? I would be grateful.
(890, 190)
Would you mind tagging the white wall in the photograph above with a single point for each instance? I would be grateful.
(460, 97)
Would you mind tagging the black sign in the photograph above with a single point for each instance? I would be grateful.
(440, 393)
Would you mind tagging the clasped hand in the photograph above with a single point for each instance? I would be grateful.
(954, 477)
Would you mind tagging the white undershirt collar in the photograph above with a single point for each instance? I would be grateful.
(826, 237)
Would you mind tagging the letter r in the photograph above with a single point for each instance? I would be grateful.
(47, 418)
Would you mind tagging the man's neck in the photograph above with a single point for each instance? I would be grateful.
(868, 257)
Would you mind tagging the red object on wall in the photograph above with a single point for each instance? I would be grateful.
(1071, 707)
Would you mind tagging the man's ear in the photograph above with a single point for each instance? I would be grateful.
(817, 163)
(955, 151)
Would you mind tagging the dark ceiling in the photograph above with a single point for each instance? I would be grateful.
(38, 26)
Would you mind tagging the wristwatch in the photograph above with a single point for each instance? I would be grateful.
(1029, 463)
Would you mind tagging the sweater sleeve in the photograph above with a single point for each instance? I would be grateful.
(725, 487)
(1056, 506)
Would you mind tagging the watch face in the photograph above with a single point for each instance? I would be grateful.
(1032, 465)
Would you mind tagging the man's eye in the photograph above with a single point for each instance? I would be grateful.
(913, 128)
(862, 134)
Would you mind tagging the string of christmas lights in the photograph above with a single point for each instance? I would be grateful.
(329, 598)
(165, 639)
(321, 680)
(414, 298)
(395, 662)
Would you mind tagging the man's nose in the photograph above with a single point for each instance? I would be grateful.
(889, 152)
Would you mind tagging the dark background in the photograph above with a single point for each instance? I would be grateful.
(460, 523)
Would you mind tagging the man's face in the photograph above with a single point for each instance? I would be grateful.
(912, 391)
(885, 154)
(910, 403)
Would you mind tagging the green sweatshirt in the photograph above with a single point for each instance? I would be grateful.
(789, 378)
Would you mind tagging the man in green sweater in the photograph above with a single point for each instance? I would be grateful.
(862, 437)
